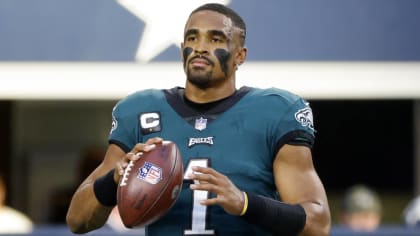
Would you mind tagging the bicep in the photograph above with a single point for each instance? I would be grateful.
(298, 183)
(295, 175)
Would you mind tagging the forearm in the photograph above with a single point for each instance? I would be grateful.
(281, 218)
(85, 212)
(276, 217)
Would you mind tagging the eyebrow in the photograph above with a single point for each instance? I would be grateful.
(211, 32)
(191, 31)
(217, 33)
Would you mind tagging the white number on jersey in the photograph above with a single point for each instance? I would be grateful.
(198, 224)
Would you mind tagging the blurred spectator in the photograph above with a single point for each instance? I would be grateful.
(411, 213)
(11, 220)
(361, 209)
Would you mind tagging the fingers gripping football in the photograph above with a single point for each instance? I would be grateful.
(134, 155)
(228, 196)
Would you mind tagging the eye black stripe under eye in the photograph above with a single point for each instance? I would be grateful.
(186, 52)
(223, 56)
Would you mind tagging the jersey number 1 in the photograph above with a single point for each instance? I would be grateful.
(198, 224)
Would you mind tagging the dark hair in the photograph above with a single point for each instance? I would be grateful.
(222, 9)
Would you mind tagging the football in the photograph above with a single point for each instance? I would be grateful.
(150, 186)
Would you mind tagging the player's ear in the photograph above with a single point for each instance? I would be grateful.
(181, 51)
(240, 55)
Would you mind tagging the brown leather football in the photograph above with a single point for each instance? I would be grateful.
(150, 186)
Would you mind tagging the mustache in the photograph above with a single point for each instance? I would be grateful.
(201, 57)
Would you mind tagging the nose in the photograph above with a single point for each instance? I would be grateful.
(201, 47)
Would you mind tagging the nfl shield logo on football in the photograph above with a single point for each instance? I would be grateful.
(150, 173)
(200, 124)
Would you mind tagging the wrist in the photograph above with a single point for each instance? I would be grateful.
(105, 189)
(245, 206)
(277, 217)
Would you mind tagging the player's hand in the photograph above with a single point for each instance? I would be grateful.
(134, 155)
(228, 196)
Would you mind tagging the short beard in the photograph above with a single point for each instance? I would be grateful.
(201, 81)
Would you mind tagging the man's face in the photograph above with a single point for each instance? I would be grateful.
(362, 221)
(210, 48)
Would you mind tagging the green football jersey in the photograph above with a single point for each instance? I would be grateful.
(238, 137)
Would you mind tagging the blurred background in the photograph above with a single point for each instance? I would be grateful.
(64, 65)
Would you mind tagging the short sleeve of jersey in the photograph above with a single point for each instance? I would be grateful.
(121, 132)
(125, 131)
(294, 119)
